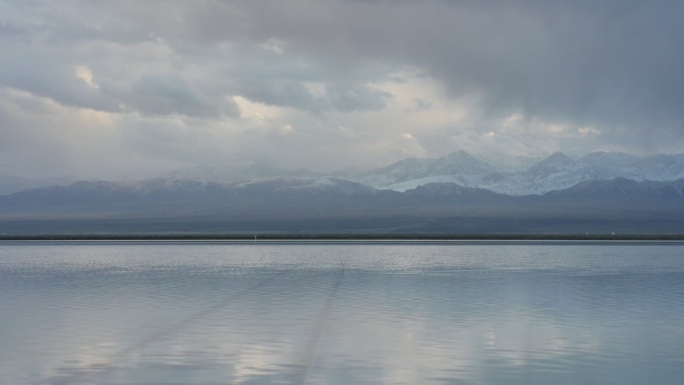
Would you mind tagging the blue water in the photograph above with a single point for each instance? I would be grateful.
(341, 313)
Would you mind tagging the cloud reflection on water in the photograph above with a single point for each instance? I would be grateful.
(163, 319)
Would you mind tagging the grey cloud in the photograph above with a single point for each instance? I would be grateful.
(35, 140)
(345, 98)
(615, 63)
(168, 95)
(422, 105)
(147, 94)
(71, 21)
(283, 93)
(612, 65)
(144, 85)
(170, 141)
(11, 29)
(284, 80)
(336, 97)
(48, 73)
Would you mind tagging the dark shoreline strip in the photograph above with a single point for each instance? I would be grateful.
(343, 237)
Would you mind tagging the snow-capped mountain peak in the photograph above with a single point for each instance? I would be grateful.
(556, 172)
(554, 163)
(460, 162)
(456, 164)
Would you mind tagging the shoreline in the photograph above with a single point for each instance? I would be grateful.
(342, 237)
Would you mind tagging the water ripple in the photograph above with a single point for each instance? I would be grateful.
(341, 314)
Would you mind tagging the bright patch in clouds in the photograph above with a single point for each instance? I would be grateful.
(86, 75)
(274, 45)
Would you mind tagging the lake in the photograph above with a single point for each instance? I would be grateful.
(341, 313)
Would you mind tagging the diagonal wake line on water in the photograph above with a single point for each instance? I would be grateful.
(309, 351)
(160, 335)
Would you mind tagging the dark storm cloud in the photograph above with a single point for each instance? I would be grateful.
(616, 64)
(586, 74)
(610, 62)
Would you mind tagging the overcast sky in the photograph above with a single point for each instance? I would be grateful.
(116, 88)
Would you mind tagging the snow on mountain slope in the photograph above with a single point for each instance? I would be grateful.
(461, 180)
(556, 172)
(311, 185)
(554, 164)
(658, 167)
(459, 163)
(507, 162)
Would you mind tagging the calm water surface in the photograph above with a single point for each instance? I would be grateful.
(288, 313)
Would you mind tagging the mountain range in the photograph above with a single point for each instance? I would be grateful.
(556, 172)
(601, 191)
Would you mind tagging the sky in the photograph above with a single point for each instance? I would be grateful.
(113, 89)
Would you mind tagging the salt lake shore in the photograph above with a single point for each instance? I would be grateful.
(344, 237)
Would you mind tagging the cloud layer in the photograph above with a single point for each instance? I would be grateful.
(117, 88)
